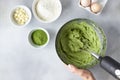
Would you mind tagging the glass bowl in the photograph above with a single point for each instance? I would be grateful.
(75, 38)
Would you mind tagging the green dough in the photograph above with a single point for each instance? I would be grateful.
(73, 42)
(39, 37)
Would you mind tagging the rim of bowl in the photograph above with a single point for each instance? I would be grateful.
(38, 18)
(37, 46)
(26, 9)
(101, 32)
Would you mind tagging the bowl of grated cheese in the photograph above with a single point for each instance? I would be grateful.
(20, 15)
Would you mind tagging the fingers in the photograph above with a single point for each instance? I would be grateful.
(75, 70)
(84, 74)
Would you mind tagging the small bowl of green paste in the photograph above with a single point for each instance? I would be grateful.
(76, 38)
(39, 38)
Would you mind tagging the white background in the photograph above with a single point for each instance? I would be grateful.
(20, 61)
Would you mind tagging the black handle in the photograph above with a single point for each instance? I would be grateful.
(111, 66)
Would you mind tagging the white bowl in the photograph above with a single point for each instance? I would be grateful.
(27, 11)
(31, 42)
(35, 13)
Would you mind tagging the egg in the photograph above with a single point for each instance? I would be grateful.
(95, 7)
(85, 3)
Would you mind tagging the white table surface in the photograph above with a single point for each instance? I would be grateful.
(20, 61)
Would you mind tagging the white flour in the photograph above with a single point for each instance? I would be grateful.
(48, 10)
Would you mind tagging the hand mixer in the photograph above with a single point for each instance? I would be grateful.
(109, 64)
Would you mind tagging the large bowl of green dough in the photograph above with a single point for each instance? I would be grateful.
(76, 39)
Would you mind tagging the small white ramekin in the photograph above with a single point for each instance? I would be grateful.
(37, 46)
(27, 11)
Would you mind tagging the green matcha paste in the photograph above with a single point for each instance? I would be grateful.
(73, 42)
(39, 37)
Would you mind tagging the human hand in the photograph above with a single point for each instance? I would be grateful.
(84, 74)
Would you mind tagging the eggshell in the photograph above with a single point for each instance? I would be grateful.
(95, 7)
(85, 3)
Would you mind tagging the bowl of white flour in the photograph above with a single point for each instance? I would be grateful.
(46, 11)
